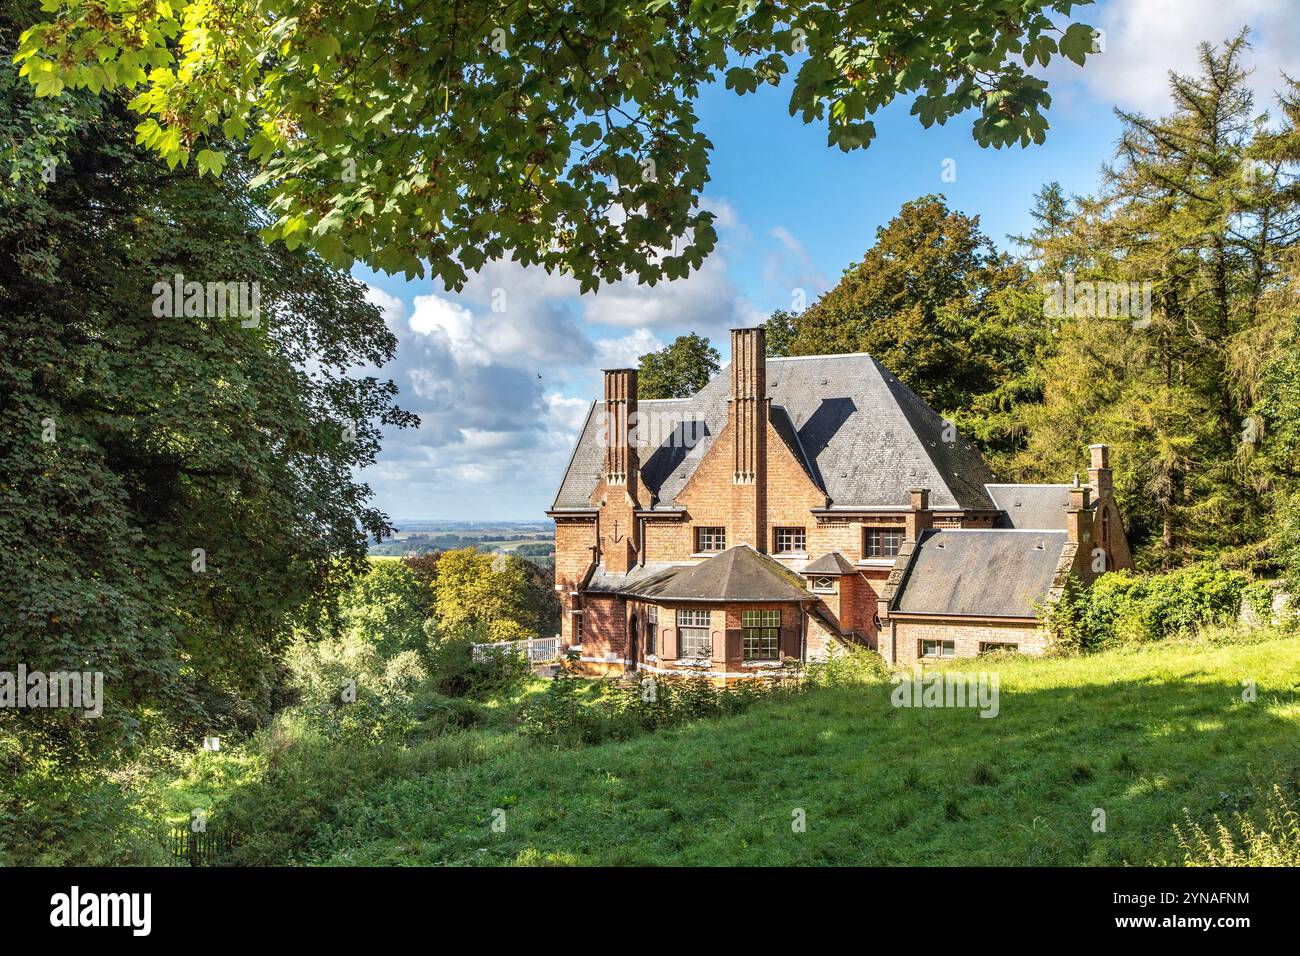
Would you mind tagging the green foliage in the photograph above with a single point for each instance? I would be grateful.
(567, 714)
(491, 597)
(496, 672)
(938, 306)
(1124, 608)
(1162, 724)
(156, 435)
(391, 608)
(678, 370)
(1196, 398)
(457, 133)
(1271, 840)
(853, 665)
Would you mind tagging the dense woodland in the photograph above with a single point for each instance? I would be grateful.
(1201, 405)
(180, 507)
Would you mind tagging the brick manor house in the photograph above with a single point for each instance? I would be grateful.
(796, 504)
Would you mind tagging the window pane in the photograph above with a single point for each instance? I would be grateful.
(692, 618)
(760, 618)
(790, 540)
(710, 539)
(762, 643)
(883, 542)
(694, 642)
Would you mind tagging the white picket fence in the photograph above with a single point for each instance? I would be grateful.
(538, 650)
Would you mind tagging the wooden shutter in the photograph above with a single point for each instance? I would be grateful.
(668, 643)
(789, 640)
(735, 649)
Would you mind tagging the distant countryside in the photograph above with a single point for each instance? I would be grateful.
(531, 540)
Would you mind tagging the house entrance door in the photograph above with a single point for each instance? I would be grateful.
(633, 645)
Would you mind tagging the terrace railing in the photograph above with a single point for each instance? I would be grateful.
(538, 650)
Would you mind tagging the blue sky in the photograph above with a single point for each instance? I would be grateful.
(502, 394)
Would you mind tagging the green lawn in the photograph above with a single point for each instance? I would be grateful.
(1140, 734)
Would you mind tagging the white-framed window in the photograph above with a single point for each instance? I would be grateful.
(710, 539)
(937, 648)
(761, 639)
(882, 542)
(576, 618)
(693, 634)
(651, 629)
(790, 540)
(822, 584)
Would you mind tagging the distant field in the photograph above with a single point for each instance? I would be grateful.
(1138, 734)
(427, 536)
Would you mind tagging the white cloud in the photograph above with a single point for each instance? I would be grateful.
(706, 301)
(792, 270)
(502, 374)
(1145, 39)
(626, 352)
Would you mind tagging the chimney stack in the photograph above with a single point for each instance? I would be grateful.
(620, 487)
(1099, 474)
(620, 419)
(1078, 519)
(748, 418)
(919, 518)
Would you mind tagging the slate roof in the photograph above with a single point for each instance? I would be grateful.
(1031, 506)
(865, 438)
(980, 573)
(607, 582)
(829, 565)
(737, 574)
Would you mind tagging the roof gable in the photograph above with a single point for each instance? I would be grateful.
(864, 438)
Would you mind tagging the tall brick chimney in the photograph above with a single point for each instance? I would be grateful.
(919, 517)
(1099, 475)
(621, 480)
(1078, 518)
(748, 417)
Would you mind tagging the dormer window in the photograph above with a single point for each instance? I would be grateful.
(710, 539)
(822, 585)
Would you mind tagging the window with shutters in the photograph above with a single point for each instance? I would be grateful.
(762, 635)
(651, 629)
(693, 634)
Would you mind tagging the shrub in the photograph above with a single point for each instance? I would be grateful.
(1274, 841)
(1124, 608)
(856, 665)
(496, 672)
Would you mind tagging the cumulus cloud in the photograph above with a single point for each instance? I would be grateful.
(502, 375)
(1145, 39)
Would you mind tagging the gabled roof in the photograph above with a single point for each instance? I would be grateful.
(737, 574)
(1031, 506)
(980, 573)
(829, 565)
(863, 436)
